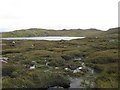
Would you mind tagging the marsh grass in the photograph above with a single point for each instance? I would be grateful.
(99, 53)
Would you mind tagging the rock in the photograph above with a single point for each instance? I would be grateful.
(32, 67)
(76, 71)
(47, 64)
(3, 61)
(67, 69)
(80, 68)
(13, 42)
(4, 58)
(56, 67)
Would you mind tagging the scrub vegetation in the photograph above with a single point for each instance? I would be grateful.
(99, 50)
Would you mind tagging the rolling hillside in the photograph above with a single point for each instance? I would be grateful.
(98, 51)
(34, 32)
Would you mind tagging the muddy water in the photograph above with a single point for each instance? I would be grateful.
(75, 82)
(85, 81)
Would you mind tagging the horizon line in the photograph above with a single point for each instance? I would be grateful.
(6, 29)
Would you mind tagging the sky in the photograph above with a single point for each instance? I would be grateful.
(58, 14)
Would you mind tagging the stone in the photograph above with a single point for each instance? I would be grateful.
(66, 69)
(80, 68)
(56, 67)
(32, 67)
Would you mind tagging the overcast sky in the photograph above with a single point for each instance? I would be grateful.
(58, 14)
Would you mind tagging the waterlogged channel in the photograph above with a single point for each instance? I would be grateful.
(85, 81)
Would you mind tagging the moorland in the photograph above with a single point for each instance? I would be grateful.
(55, 61)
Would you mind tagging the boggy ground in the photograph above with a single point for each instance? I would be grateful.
(99, 53)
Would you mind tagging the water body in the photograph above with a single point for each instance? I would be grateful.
(84, 81)
(80, 82)
(75, 82)
(49, 38)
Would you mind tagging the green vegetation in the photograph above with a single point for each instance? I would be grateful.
(34, 32)
(99, 50)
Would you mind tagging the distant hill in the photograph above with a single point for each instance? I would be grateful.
(36, 32)
(111, 33)
(113, 30)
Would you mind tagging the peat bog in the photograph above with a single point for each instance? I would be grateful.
(91, 62)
